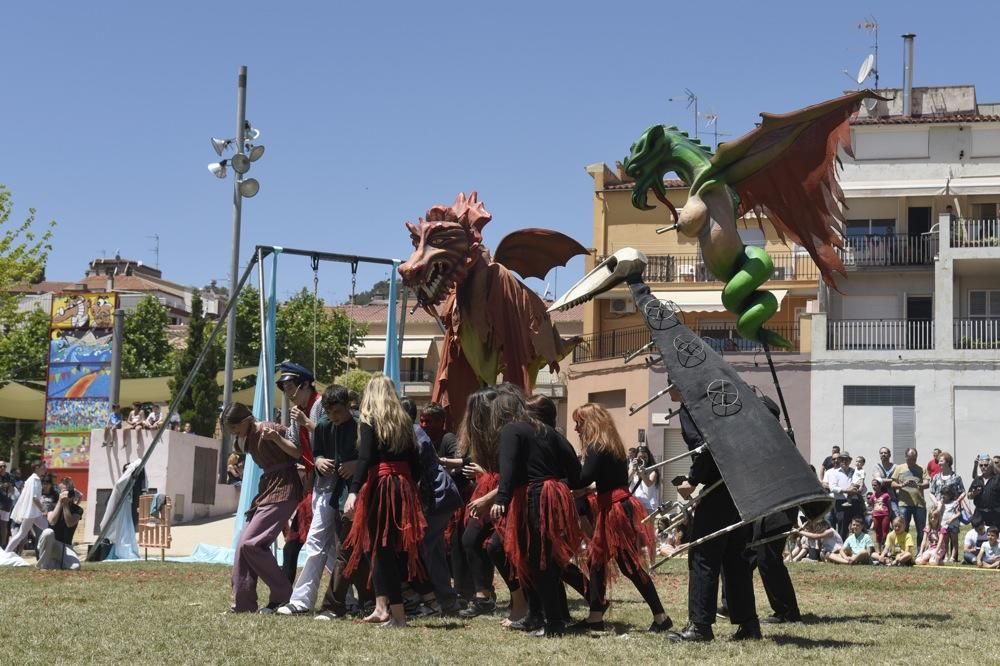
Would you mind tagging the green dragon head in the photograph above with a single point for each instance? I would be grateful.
(648, 162)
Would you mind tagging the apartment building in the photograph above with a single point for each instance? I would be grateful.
(907, 352)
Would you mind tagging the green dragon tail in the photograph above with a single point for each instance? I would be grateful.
(753, 307)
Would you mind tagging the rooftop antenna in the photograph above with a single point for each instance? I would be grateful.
(870, 24)
(712, 120)
(156, 249)
(692, 99)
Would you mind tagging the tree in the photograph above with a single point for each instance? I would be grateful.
(200, 406)
(24, 349)
(355, 380)
(380, 289)
(23, 254)
(145, 349)
(247, 349)
(295, 328)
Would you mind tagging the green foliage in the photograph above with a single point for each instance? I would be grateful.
(200, 406)
(247, 349)
(295, 326)
(380, 288)
(145, 349)
(24, 348)
(355, 380)
(23, 254)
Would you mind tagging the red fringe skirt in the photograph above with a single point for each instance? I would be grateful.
(619, 536)
(558, 528)
(388, 515)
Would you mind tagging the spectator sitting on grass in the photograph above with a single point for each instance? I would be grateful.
(828, 539)
(989, 554)
(858, 547)
(974, 539)
(899, 549)
(934, 547)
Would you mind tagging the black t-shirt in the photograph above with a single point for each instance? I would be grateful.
(371, 452)
(602, 468)
(338, 443)
(527, 454)
(62, 532)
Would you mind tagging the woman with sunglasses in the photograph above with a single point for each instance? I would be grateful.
(279, 490)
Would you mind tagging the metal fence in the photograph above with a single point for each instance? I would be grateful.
(977, 333)
(879, 334)
(889, 250)
(975, 233)
(691, 267)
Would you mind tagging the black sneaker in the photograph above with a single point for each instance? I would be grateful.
(550, 631)
(526, 623)
(587, 626)
(660, 627)
(693, 633)
(477, 607)
(777, 618)
(270, 609)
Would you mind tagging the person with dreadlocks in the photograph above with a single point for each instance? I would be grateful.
(384, 504)
(620, 536)
(541, 531)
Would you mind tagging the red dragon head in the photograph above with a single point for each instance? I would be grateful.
(446, 245)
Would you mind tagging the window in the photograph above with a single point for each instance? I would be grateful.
(984, 303)
(879, 396)
(871, 227)
(204, 476)
(984, 211)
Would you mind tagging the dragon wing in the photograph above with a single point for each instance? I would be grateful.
(534, 252)
(786, 167)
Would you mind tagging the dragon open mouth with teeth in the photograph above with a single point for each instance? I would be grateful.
(493, 323)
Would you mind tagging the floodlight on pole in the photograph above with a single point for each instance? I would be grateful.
(256, 152)
(221, 145)
(240, 163)
(248, 187)
(218, 169)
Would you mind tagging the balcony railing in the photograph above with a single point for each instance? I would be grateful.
(879, 334)
(975, 233)
(414, 376)
(691, 267)
(977, 333)
(889, 250)
(722, 338)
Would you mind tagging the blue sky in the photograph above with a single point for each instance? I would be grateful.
(372, 112)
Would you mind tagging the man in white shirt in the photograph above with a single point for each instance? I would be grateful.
(29, 511)
(837, 480)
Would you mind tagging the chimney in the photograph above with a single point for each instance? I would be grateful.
(110, 285)
(908, 74)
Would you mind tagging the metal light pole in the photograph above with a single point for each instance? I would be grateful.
(234, 266)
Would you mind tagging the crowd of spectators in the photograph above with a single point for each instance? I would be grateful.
(54, 511)
(933, 498)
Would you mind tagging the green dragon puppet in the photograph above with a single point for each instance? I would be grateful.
(493, 323)
(785, 168)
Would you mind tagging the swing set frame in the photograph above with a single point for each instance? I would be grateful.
(257, 260)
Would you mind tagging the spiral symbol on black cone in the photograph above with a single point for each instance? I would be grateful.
(690, 351)
(661, 314)
(725, 397)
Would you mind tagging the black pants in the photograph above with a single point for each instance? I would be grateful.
(474, 541)
(290, 559)
(774, 575)
(461, 574)
(547, 582)
(724, 553)
(639, 578)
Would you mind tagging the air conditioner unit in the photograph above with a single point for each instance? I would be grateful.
(779, 273)
(622, 306)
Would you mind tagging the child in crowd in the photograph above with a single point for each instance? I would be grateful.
(951, 519)
(857, 548)
(989, 554)
(880, 501)
(899, 549)
(799, 548)
(674, 540)
(828, 539)
(974, 539)
(935, 544)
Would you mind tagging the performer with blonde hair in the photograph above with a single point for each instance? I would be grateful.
(388, 524)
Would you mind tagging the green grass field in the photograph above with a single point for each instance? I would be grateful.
(164, 613)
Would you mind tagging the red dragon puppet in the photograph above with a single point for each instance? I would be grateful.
(493, 323)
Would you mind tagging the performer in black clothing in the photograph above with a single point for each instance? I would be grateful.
(620, 536)
(715, 511)
(542, 531)
(388, 522)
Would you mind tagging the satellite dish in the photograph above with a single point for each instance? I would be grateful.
(870, 104)
(866, 68)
